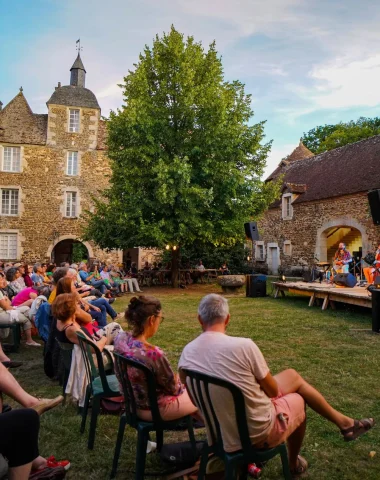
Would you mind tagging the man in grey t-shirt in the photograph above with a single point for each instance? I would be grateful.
(275, 405)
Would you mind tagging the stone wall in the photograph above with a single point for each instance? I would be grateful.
(310, 219)
(43, 182)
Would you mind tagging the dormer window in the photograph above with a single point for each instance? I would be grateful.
(74, 116)
(287, 208)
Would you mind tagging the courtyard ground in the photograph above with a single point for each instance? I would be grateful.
(331, 349)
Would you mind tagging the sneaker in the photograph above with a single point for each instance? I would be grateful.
(46, 404)
(52, 463)
(33, 344)
(111, 300)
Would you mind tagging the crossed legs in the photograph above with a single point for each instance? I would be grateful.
(290, 381)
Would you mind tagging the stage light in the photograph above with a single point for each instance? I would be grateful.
(167, 247)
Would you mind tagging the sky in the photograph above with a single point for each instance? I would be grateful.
(305, 62)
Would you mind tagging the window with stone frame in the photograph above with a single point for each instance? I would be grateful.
(259, 251)
(11, 159)
(9, 201)
(287, 247)
(74, 116)
(72, 164)
(71, 204)
(8, 246)
(287, 208)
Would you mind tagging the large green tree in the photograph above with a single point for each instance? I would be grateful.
(186, 162)
(327, 137)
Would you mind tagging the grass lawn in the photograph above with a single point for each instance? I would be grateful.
(330, 349)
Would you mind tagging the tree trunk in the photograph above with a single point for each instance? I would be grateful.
(175, 268)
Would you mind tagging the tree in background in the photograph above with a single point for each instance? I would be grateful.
(186, 163)
(327, 137)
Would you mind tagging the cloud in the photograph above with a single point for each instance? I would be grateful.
(343, 84)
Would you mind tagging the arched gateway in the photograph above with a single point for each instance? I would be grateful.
(67, 248)
(344, 229)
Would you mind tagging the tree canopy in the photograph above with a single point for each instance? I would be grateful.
(327, 137)
(186, 163)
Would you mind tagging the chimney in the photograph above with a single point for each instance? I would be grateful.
(59, 84)
(1, 105)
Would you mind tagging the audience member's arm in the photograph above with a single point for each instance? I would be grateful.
(82, 317)
(269, 385)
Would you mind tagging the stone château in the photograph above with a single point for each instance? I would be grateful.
(50, 165)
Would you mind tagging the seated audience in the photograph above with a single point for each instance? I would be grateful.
(96, 308)
(275, 405)
(64, 309)
(38, 275)
(224, 269)
(28, 270)
(133, 271)
(10, 315)
(20, 278)
(105, 274)
(90, 278)
(57, 275)
(199, 266)
(144, 316)
(25, 297)
(19, 431)
(50, 270)
(14, 286)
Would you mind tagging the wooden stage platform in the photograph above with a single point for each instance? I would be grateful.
(330, 294)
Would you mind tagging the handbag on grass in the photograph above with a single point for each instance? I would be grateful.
(181, 455)
(112, 405)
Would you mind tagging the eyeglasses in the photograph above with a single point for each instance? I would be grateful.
(162, 318)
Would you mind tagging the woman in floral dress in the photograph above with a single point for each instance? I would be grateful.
(144, 316)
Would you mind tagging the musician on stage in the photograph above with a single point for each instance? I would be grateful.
(342, 259)
(371, 272)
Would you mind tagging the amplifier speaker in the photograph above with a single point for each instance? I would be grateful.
(374, 205)
(256, 286)
(345, 280)
(375, 308)
(251, 231)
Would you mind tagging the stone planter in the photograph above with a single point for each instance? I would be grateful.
(231, 283)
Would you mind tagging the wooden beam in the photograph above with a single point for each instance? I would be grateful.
(325, 303)
(312, 299)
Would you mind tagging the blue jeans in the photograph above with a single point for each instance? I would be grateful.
(105, 308)
(100, 285)
(97, 316)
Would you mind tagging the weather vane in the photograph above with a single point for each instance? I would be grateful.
(79, 48)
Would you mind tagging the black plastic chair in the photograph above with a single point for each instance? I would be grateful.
(66, 355)
(16, 333)
(122, 365)
(99, 384)
(199, 390)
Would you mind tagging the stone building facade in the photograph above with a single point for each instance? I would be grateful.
(50, 165)
(323, 202)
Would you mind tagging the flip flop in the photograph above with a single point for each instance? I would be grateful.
(301, 467)
(359, 428)
(11, 364)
